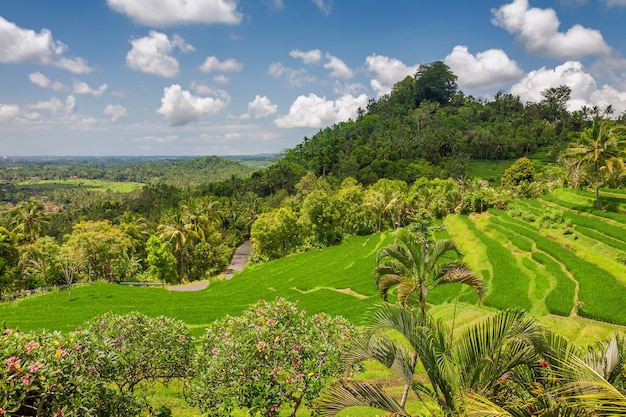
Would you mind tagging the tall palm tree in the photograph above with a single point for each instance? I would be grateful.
(413, 265)
(601, 147)
(473, 369)
(29, 219)
(175, 230)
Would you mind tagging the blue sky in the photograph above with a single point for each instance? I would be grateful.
(240, 77)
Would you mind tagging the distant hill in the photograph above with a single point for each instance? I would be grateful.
(174, 170)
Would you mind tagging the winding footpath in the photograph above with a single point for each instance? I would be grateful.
(240, 260)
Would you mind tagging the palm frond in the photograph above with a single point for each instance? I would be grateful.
(352, 393)
(457, 273)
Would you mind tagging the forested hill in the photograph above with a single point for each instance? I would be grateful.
(427, 127)
(178, 171)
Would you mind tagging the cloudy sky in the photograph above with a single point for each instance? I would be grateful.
(240, 77)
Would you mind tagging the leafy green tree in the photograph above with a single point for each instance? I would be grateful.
(40, 262)
(435, 82)
(601, 147)
(29, 220)
(99, 245)
(274, 233)
(160, 260)
(9, 259)
(522, 171)
(271, 356)
(320, 215)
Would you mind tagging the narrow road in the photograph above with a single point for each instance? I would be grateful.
(240, 260)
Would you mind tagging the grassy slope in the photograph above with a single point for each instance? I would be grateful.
(319, 280)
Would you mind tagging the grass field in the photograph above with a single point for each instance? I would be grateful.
(92, 185)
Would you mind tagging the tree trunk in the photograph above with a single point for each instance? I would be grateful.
(598, 189)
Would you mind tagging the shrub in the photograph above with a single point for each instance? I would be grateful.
(272, 355)
(134, 348)
(51, 374)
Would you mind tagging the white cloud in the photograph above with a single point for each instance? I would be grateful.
(80, 87)
(160, 13)
(608, 95)
(309, 57)
(487, 69)
(538, 30)
(388, 72)
(338, 67)
(208, 90)
(115, 111)
(260, 107)
(212, 64)
(324, 6)
(318, 112)
(180, 107)
(55, 106)
(25, 45)
(570, 73)
(294, 77)
(152, 54)
(9, 112)
(42, 81)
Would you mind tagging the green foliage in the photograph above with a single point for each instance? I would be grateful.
(98, 246)
(271, 356)
(435, 82)
(160, 260)
(51, 374)
(522, 171)
(135, 348)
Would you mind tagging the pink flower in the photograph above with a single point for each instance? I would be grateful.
(261, 345)
(31, 345)
(214, 351)
(13, 363)
(34, 368)
(59, 413)
(181, 337)
(299, 377)
(8, 331)
(26, 379)
(2, 411)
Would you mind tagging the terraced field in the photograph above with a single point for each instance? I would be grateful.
(553, 256)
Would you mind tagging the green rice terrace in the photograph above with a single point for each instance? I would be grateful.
(555, 257)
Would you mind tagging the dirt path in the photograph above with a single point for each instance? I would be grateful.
(240, 260)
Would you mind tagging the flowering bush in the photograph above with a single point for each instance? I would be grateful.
(272, 355)
(50, 374)
(134, 347)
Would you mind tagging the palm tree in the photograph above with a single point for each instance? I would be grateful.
(412, 264)
(466, 374)
(29, 219)
(176, 230)
(601, 147)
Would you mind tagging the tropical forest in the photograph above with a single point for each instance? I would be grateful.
(438, 255)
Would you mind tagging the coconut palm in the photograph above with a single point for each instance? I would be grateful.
(601, 147)
(29, 219)
(482, 370)
(412, 265)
